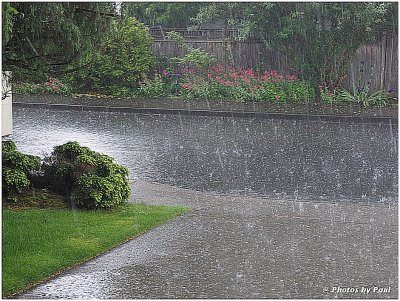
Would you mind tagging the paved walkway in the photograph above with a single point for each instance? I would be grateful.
(241, 247)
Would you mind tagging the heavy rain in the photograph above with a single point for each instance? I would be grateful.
(200, 150)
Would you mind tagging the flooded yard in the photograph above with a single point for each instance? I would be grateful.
(278, 158)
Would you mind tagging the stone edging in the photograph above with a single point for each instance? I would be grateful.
(267, 115)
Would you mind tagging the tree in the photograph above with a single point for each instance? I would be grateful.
(120, 61)
(319, 39)
(41, 38)
(173, 14)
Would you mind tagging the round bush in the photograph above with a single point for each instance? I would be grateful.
(91, 179)
(120, 62)
(16, 169)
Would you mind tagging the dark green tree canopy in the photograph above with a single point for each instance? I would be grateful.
(49, 37)
(121, 60)
(167, 14)
(318, 38)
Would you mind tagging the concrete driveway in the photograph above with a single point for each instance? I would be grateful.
(243, 247)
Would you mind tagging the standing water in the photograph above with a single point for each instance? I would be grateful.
(277, 158)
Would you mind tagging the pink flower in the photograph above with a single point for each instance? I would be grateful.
(249, 72)
(186, 86)
(291, 77)
(265, 78)
(233, 75)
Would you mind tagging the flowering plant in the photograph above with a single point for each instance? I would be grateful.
(51, 86)
(243, 84)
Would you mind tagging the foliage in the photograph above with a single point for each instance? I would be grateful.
(216, 82)
(195, 57)
(379, 98)
(16, 169)
(198, 58)
(177, 38)
(49, 38)
(41, 243)
(173, 14)
(159, 87)
(93, 180)
(319, 38)
(327, 95)
(120, 62)
(244, 85)
(8, 13)
(51, 86)
(360, 95)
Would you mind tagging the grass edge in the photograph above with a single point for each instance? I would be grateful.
(119, 244)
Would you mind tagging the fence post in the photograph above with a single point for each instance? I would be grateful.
(162, 32)
(224, 44)
(383, 61)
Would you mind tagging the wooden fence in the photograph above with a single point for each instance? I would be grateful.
(159, 33)
(377, 64)
(248, 54)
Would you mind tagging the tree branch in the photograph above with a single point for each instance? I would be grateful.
(95, 13)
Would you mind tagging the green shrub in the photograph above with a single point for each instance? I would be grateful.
(361, 96)
(8, 146)
(194, 57)
(327, 95)
(14, 183)
(154, 88)
(16, 170)
(120, 62)
(297, 91)
(378, 98)
(91, 179)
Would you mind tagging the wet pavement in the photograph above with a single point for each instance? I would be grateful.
(244, 247)
(282, 208)
(270, 157)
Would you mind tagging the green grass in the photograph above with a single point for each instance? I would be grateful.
(38, 243)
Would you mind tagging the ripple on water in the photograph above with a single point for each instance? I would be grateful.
(293, 159)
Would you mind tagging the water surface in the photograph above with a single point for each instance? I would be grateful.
(277, 158)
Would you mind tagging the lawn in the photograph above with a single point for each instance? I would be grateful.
(38, 243)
